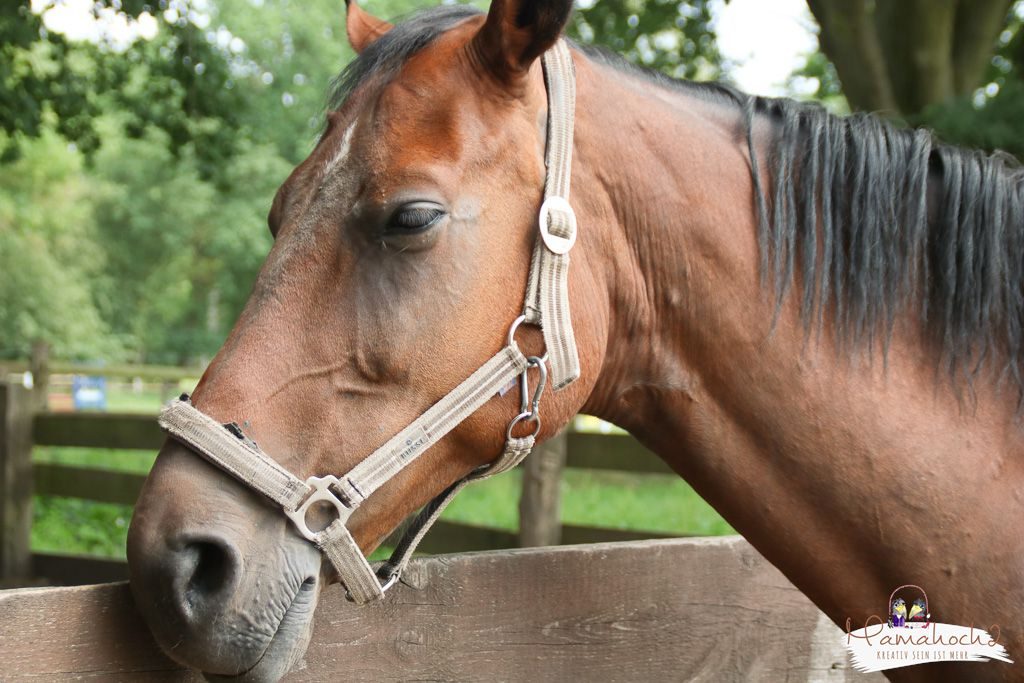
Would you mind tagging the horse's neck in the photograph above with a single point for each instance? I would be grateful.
(852, 476)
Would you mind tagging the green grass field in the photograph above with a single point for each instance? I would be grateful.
(651, 502)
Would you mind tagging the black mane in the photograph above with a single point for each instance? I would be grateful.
(871, 221)
(867, 219)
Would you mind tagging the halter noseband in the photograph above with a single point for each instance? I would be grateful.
(547, 305)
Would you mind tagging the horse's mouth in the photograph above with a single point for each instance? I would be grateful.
(288, 644)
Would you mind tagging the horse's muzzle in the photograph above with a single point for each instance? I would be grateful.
(223, 582)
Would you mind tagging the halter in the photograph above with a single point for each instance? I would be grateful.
(547, 306)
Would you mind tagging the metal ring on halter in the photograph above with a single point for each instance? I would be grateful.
(519, 418)
(515, 326)
(392, 580)
(512, 336)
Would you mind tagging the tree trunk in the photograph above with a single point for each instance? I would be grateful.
(897, 57)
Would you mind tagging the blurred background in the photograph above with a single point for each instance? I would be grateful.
(141, 144)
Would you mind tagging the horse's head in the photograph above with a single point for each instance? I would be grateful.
(402, 247)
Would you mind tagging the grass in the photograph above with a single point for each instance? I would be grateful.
(70, 525)
(617, 500)
(646, 502)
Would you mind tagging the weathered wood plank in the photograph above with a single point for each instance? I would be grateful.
(122, 371)
(164, 373)
(540, 503)
(15, 480)
(39, 365)
(573, 534)
(445, 537)
(104, 638)
(646, 611)
(105, 486)
(612, 452)
(98, 430)
(77, 570)
(456, 537)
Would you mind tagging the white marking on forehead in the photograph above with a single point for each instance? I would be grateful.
(341, 153)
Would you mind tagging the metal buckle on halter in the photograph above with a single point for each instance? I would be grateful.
(556, 243)
(321, 493)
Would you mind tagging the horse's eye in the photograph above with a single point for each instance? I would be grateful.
(415, 217)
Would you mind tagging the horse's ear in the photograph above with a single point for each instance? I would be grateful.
(362, 27)
(519, 31)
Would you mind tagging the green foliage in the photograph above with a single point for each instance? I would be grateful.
(157, 161)
(181, 84)
(674, 37)
(292, 51)
(818, 69)
(40, 73)
(996, 123)
(993, 118)
(48, 253)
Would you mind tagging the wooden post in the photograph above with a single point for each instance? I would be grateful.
(15, 481)
(540, 504)
(39, 365)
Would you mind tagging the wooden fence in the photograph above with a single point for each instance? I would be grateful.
(652, 610)
(21, 428)
(670, 610)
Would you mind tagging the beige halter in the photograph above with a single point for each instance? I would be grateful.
(547, 305)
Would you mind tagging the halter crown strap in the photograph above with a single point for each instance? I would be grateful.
(547, 289)
(547, 305)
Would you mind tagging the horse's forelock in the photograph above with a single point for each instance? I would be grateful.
(384, 56)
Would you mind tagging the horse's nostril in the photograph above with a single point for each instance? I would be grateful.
(208, 569)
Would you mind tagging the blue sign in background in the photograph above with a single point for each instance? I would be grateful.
(89, 393)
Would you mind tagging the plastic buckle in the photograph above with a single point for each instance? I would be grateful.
(555, 243)
(321, 493)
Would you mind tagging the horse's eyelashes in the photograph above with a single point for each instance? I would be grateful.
(414, 218)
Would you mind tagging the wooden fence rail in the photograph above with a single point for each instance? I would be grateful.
(21, 429)
(157, 373)
(667, 610)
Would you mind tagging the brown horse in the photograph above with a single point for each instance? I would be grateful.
(862, 433)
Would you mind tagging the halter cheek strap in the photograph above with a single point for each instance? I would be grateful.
(547, 305)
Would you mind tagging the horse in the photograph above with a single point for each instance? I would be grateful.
(814, 320)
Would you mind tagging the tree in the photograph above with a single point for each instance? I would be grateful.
(39, 73)
(674, 37)
(48, 256)
(898, 57)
